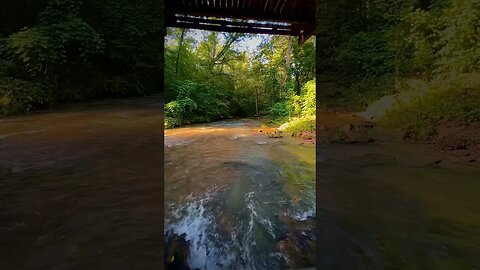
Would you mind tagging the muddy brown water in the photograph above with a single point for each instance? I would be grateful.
(80, 187)
(387, 205)
(241, 199)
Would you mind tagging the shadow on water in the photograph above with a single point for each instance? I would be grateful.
(80, 189)
(385, 206)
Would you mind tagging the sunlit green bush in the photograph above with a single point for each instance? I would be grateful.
(297, 125)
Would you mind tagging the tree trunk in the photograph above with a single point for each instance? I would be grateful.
(297, 80)
(287, 63)
(180, 43)
(256, 102)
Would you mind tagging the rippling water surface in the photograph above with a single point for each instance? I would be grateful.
(241, 200)
(80, 187)
(387, 205)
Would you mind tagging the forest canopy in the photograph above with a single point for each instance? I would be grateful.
(211, 76)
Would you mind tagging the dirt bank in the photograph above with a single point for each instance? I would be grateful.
(459, 138)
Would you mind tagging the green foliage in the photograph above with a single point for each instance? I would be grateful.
(299, 124)
(195, 102)
(279, 109)
(46, 51)
(32, 50)
(460, 37)
(84, 49)
(422, 36)
(446, 98)
(18, 96)
(299, 111)
(367, 47)
(213, 78)
(309, 99)
(367, 54)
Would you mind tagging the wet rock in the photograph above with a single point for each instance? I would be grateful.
(350, 134)
(459, 138)
(307, 136)
(298, 245)
(177, 249)
(367, 124)
(347, 127)
(435, 162)
(260, 130)
(275, 182)
(275, 135)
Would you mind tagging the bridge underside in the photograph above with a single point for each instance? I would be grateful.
(275, 17)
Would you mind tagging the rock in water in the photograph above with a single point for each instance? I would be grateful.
(350, 134)
(177, 250)
(275, 135)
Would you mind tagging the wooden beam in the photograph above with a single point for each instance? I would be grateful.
(236, 23)
(305, 35)
(244, 15)
(236, 29)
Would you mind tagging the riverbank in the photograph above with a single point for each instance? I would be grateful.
(458, 140)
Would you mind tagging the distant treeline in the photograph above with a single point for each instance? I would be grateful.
(211, 76)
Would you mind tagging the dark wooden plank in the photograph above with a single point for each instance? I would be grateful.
(299, 14)
(235, 29)
(243, 23)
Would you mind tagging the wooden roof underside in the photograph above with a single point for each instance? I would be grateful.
(276, 17)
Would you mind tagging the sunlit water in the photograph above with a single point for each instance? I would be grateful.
(236, 196)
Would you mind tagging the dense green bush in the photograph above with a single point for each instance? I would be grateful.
(366, 54)
(447, 98)
(279, 109)
(82, 49)
(196, 102)
(18, 96)
(299, 111)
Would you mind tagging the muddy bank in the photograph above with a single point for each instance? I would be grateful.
(461, 139)
(453, 139)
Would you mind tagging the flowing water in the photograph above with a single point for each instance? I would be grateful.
(242, 200)
(80, 187)
(389, 205)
